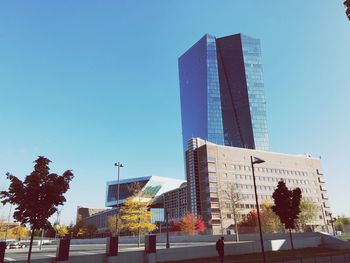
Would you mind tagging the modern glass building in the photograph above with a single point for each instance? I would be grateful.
(150, 188)
(222, 92)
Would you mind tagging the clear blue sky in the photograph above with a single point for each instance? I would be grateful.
(88, 83)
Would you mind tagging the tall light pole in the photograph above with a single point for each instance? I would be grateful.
(8, 222)
(58, 212)
(330, 215)
(167, 245)
(119, 165)
(255, 160)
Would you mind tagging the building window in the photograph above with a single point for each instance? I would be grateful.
(211, 159)
(212, 179)
(215, 222)
(211, 170)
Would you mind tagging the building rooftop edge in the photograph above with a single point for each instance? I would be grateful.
(269, 152)
(211, 35)
(135, 179)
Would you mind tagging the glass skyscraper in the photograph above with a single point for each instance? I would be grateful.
(222, 92)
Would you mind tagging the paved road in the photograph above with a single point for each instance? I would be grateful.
(49, 251)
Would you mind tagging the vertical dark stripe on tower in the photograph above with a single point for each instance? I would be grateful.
(234, 94)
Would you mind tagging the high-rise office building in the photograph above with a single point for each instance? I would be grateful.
(222, 92)
(221, 172)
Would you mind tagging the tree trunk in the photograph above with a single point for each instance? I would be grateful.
(30, 245)
(139, 241)
(236, 227)
(291, 238)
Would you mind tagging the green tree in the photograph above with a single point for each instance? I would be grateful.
(347, 11)
(61, 230)
(270, 222)
(345, 220)
(37, 197)
(233, 196)
(111, 223)
(340, 222)
(136, 217)
(71, 229)
(2, 228)
(19, 231)
(91, 229)
(79, 229)
(287, 206)
(308, 214)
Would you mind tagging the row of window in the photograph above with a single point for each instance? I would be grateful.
(247, 206)
(259, 187)
(262, 178)
(239, 167)
(177, 213)
(175, 195)
(176, 203)
(241, 197)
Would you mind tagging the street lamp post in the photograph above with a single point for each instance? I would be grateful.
(330, 215)
(255, 160)
(167, 228)
(119, 165)
(8, 222)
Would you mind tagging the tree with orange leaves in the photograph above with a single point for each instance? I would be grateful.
(191, 225)
(188, 224)
(200, 226)
(250, 219)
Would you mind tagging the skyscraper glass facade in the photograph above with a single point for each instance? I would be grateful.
(255, 85)
(215, 130)
(222, 92)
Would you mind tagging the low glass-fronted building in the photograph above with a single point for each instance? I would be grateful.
(148, 189)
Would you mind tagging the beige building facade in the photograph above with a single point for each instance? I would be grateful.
(214, 170)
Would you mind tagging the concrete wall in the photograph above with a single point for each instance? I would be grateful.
(346, 229)
(332, 242)
(273, 242)
(181, 253)
(195, 238)
(130, 257)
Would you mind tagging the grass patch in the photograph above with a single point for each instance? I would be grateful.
(272, 256)
(345, 237)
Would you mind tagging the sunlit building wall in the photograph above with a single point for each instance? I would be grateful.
(219, 168)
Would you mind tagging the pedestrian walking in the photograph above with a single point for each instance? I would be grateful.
(220, 248)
